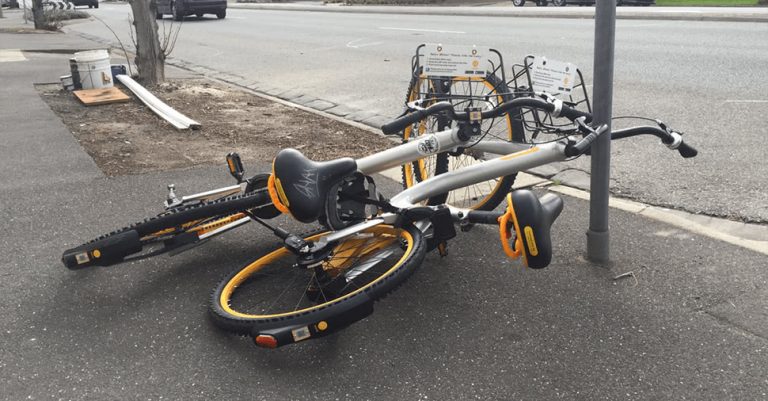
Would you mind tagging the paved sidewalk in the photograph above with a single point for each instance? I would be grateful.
(689, 323)
(746, 14)
(36, 148)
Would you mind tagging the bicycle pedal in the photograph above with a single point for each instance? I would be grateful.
(235, 166)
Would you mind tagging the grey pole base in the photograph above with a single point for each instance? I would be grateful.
(598, 249)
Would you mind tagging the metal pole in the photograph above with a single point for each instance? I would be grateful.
(598, 249)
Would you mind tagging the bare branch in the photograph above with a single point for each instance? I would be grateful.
(125, 52)
(174, 35)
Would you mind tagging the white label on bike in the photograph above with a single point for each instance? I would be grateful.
(454, 60)
(302, 333)
(427, 145)
(552, 76)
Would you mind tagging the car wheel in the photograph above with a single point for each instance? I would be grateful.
(159, 15)
(199, 15)
(541, 3)
(619, 3)
(518, 3)
(96, 5)
(221, 14)
(175, 13)
(559, 3)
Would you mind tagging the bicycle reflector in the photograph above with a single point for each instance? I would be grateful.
(266, 341)
(235, 166)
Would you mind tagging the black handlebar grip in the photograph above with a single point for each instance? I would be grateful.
(687, 151)
(572, 114)
(401, 123)
(484, 217)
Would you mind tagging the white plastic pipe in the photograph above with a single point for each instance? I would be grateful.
(168, 113)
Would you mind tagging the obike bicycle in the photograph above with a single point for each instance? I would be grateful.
(317, 284)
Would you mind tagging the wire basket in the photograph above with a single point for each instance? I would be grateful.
(538, 123)
(439, 88)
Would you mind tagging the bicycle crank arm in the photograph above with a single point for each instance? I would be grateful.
(281, 336)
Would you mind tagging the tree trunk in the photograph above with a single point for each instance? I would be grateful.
(37, 14)
(150, 57)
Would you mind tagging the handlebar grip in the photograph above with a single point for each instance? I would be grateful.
(484, 217)
(572, 114)
(687, 151)
(401, 123)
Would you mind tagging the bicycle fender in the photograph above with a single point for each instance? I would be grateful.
(278, 337)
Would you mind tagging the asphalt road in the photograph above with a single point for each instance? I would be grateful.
(707, 79)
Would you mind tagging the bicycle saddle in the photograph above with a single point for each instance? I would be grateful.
(533, 218)
(300, 185)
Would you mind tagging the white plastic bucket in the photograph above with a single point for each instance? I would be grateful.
(93, 68)
(67, 82)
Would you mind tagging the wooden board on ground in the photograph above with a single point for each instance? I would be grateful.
(94, 97)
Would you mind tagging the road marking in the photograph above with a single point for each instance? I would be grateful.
(746, 101)
(9, 55)
(354, 45)
(418, 30)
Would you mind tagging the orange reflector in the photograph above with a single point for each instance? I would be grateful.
(266, 341)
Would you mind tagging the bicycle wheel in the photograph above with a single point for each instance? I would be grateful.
(463, 92)
(176, 229)
(274, 293)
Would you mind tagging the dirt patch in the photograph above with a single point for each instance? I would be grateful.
(127, 138)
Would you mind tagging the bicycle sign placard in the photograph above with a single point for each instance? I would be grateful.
(455, 60)
(552, 76)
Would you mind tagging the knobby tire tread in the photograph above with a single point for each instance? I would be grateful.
(378, 291)
(175, 217)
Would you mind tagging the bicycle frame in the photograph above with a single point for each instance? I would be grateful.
(515, 157)
(510, 157)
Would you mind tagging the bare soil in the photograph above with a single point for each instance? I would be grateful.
(128, 138)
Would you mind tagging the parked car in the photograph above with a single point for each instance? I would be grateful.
(89, 3)
(561, 3)
(181, 8)
(635, 2)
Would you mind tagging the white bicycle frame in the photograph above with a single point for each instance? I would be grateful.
(515, 157)
(511, 158)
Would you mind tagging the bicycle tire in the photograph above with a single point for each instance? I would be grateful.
(236, 306)
(125, 243)
(481, 196)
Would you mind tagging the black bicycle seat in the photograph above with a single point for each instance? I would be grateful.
(305, 183)
(534, 219)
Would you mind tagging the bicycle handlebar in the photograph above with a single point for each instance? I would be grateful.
(411, 118)
(672, 139)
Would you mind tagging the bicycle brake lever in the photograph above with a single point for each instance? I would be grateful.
(415, 105)
(583, 145)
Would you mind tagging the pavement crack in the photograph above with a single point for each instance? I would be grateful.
(736, 327)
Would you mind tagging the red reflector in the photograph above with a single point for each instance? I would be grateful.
(266, 341)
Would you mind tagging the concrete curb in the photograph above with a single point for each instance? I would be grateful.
(732, 14)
